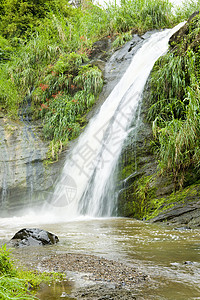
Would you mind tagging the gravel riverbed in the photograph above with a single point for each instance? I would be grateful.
(94, 268)
(101, 278)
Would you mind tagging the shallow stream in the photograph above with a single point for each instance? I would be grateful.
(169, 256)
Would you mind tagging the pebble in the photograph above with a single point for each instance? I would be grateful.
(95, 269)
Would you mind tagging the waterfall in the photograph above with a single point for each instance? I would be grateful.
(86, 183)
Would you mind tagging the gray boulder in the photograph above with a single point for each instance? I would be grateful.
(33, 237)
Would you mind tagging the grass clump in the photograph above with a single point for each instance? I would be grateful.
(140, 15)
(20, 284)
(121, 39)
(69, 92)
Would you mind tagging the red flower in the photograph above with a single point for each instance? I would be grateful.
(44, 106)
(75, 101)
(44, 86)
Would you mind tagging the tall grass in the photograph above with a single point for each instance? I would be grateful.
(140, 15)
(175, 107)
(8, 92)
(179, 143)
(168, 84)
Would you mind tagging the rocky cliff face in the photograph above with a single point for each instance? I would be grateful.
(23, 171)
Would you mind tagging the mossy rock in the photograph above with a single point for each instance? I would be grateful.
(188, 36)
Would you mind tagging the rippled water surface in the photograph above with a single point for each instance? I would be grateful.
(169, 256)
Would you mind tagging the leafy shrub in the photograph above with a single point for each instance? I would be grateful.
(69, 63)
(5, 49)
(64, 98)
(19, 16)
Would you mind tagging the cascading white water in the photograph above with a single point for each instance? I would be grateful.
(87, 174)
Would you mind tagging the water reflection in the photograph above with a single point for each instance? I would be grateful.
(55, 291)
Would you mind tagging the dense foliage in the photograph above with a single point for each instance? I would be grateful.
(19, 284)
(140, 16)
(175, 110)
(45, 46)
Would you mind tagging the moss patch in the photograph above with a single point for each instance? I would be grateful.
(157, 206)
(134, 200)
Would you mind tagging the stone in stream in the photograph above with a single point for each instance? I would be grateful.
(188, 263)
(33, 237)
(182, 228)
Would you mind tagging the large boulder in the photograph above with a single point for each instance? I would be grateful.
(33, 237)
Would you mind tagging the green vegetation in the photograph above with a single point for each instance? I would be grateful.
(141, 15)
(175, 110)
(157, 206)
(187, 8)
(20, 284)
(139, 197)
(45, 48)
(121, 39)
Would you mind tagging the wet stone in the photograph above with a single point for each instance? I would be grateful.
(188, 263)
(33, 237)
